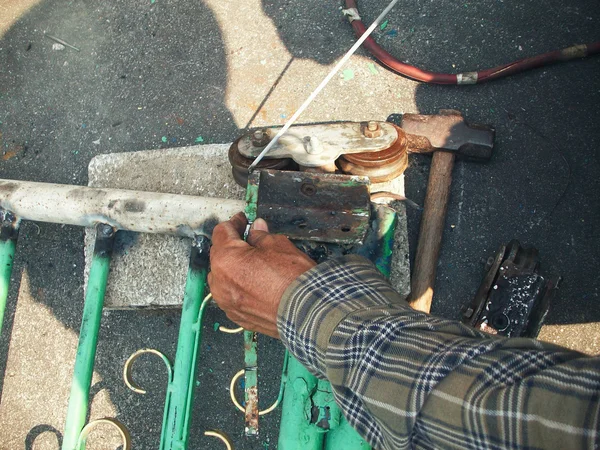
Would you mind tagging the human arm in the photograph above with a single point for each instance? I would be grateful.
(406, 379)
(247, 279)
(403, 378)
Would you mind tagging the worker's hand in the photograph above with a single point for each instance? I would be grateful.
(247, 279)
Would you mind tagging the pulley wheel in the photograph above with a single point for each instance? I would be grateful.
(381, 166)
(240, 164)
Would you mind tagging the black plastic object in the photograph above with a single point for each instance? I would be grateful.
(513, 298)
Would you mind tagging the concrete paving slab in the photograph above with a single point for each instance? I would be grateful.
(148, 271)
(187, 70)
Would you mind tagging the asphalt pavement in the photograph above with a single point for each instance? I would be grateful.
(152, 74)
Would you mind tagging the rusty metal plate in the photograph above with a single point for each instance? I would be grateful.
(315, 206)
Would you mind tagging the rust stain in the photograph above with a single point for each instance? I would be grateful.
(12, 152)
(8, 188)
(252, 409)
(8, 155)
(179, 120)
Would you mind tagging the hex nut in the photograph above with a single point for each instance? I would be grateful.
(372, 130)
(261, 137)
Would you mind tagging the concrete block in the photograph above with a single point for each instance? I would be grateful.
(149, 271)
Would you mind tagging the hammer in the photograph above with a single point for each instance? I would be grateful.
(448, 136)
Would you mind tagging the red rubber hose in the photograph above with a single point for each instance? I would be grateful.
(521, 65)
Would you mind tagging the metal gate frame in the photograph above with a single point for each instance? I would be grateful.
(111, 210)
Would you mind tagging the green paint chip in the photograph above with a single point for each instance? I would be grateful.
(372, 68)
(348, 74)
(384, 25)
(216, 326)
(199, 140)
(164, 139)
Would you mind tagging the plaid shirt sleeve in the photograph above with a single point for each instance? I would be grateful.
(405, 379)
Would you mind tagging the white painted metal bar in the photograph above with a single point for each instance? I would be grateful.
(145, 212)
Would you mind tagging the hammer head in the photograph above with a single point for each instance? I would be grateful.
(448, 131)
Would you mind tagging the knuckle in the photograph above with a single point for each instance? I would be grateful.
(281, 239)
(218, 231)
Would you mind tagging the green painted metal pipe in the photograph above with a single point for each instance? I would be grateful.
(387, 220)
(296, 432)
(9, 231)
(180, 396)
(344, 437)
(88, 336)
(310, 418)
(250, 337)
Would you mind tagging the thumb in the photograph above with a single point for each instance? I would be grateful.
(260, 225)
(258, 231)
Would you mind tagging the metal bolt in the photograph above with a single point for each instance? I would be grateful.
(312, 145)
(308, 189)
(260, 138)
(372, 130)
(105, 229)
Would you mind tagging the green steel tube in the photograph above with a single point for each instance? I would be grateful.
(88, 336)
(9, 231)
(180, 396)
(296, 432)
(250, 337)
(310, 418)
(344, 437)
(386, 229)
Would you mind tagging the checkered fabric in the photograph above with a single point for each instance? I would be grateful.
(405, 379)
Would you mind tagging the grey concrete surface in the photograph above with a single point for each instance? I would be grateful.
(148, 271)
(184, 70)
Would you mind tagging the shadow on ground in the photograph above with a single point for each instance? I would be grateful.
(153, 75)
(149, 75)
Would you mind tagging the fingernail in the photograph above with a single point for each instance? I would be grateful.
(260, 225)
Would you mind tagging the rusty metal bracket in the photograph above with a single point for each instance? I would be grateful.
(315, 206)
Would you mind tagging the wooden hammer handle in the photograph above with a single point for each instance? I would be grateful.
(432, 228)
